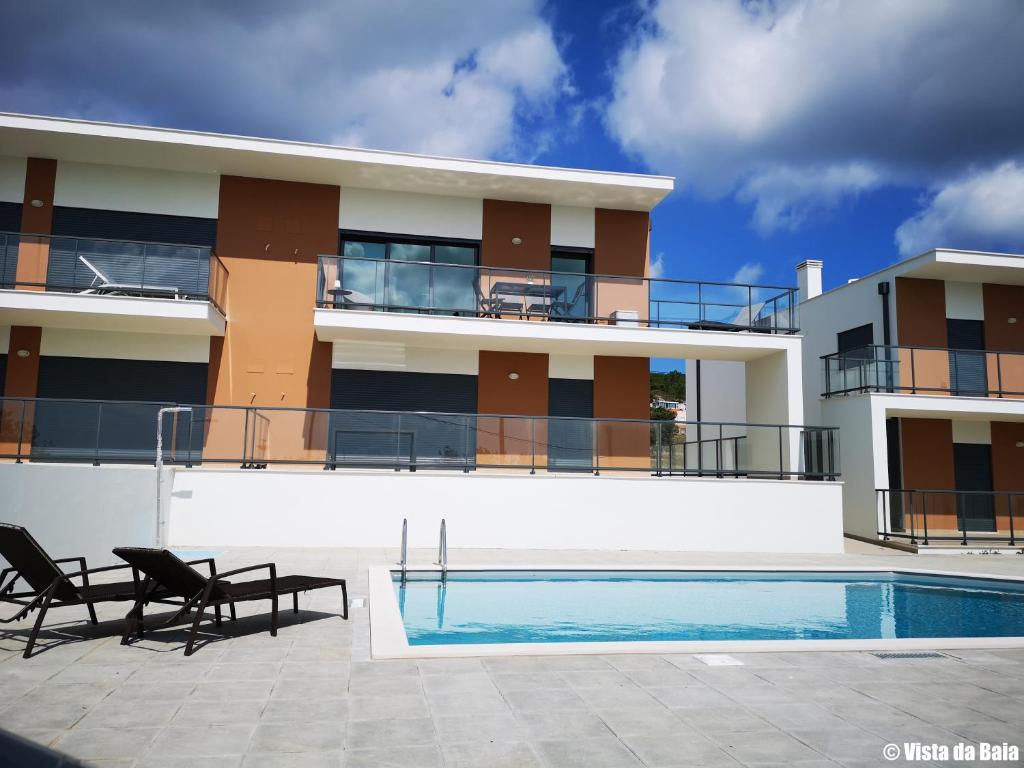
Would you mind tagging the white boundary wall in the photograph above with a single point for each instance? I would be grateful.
(365, 509)
(79, 509)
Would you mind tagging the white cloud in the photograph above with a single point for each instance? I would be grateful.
(979, 211)
(749, 274)
(795, 106)
(658, 266)
(446, 77)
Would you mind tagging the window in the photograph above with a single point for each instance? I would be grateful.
(408, 274)
(573, 281)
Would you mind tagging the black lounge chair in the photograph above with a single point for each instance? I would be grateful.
(51, 587)
(199, 592)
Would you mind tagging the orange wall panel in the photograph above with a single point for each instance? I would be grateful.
(927, 447)
(622, 390)
(621, 242)
(921, 312)
(34, 254)
(525, 396)
(22, 380)
(1008, 472)
(503, 220)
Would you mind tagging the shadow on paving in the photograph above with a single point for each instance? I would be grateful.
(170, 638)
(16, 752)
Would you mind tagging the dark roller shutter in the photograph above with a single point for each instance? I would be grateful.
(127, 225)
(3, 372)
(570, 442)
(388, 439)
(164, 250)
(972, 469)
(967, 368)
(117, 431)
(10, 224)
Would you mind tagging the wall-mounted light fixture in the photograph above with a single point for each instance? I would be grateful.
(1011, 320)
(23, 353)
(1020, 443)
(517, 241)
(513, 375)
(37, 203)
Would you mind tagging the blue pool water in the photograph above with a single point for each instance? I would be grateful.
(577, 606)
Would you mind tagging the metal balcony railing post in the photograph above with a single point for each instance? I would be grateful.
(999, 373)
(885, 514)
(465, 441)
(245, 438)
(718, 453)
(913, 518)
(657, 450)
(188, 454)
(533, 445)
(597, 448)
(913, 372)
(99, 423)
(963, 543)
(781, 464)
(21, 430)
(925, 513)
(1009, 510)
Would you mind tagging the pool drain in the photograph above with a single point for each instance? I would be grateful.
(909, 655)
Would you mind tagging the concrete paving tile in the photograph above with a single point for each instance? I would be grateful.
(393, 757)
(379, 686)
(311, 736)
(254, 670)
(373, 734)
(688, 697)
(595, 678)
(192, 741)
(557, 724)
(764, 746)
(478, 728)
(129, 714)
(166, 672)
(313, 689)
(132, 691)
(95, 673)
(300, 710)
(232, 690)
(606, 752)
(403, 705)
(528, 681)
(570, 663)
(544, 699)
(198, 713)
(50, 715)
(632, 662)
(497, 755)
(457, 684)
(481, 703)
(944, 713)
(842, 743)
(303, 670)
(612, 696)
(639, 720)
(293, 760)
(431, 667)
(189, 761)
(797, 715)
(734, 719)
(106, 742)
(684, 748)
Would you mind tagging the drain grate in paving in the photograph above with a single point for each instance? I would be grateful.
(909, 655)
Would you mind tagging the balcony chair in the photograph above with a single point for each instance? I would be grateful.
(562, 310)
(101, 284)
(51, 587)
(495, 306)
(197, 591)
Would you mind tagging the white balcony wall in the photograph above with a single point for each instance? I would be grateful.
(572, 226)
(70, 342)
(405, 213)
(139, 190)
(12, 179)
(395, 356)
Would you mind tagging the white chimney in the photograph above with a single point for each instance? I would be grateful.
(808, 279)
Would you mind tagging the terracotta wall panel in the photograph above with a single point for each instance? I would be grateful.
(1004, 303)
(621, 242)
(34, 254)
(921, 312)
(927, 448)
(504, 220)
(519, 442)
(269, 235)
(1008, 471)
(622, 391)
(22, 380)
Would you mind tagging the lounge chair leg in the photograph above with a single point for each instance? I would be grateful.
(92, 613)
(295, 602)
(216, 613)
(273, 615)
(233, 617)
(344, 601)
(195, 629)
(39, 621)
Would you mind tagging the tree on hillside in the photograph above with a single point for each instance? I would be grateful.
(669, 385)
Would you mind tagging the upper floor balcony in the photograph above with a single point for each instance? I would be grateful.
(97, 284)
(924, 371)
(367, 295)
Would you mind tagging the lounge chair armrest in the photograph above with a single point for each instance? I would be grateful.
(4, 588)
(82, 565)
(84, 574)
(208, 560)
(270, 566)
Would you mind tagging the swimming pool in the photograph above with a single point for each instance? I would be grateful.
(504, 608)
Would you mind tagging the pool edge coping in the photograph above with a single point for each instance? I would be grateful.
(388, 638)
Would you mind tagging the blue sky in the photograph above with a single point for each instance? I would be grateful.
(858, 133)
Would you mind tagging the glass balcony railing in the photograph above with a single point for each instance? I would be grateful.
(392, 285)
(927, 516)
(924, 371)
(112, 268)
(117, 432)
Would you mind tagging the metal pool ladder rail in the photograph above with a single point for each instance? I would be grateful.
(442, 550)
(405, 547)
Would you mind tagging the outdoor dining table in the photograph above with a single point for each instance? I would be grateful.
(551, 293)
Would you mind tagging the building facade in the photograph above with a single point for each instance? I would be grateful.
(921, 365)
(319, 307)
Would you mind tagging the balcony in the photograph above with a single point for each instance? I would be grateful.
(962, 517)
(924, 371)
(427, 288)
(67, 282)
(119, 432)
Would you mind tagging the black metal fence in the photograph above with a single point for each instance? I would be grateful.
(252, 437)
(926, 516)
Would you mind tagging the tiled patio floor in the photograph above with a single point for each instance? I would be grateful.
(313, 697)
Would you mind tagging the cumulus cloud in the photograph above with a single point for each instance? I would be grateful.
(749, 274)
(658, 266)
(446, 77)
(795, 106)
(981, 210)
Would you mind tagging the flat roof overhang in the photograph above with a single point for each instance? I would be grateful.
(542, 336)
(47, 309)
(174, 150)
(967, 266)
(911, 406)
